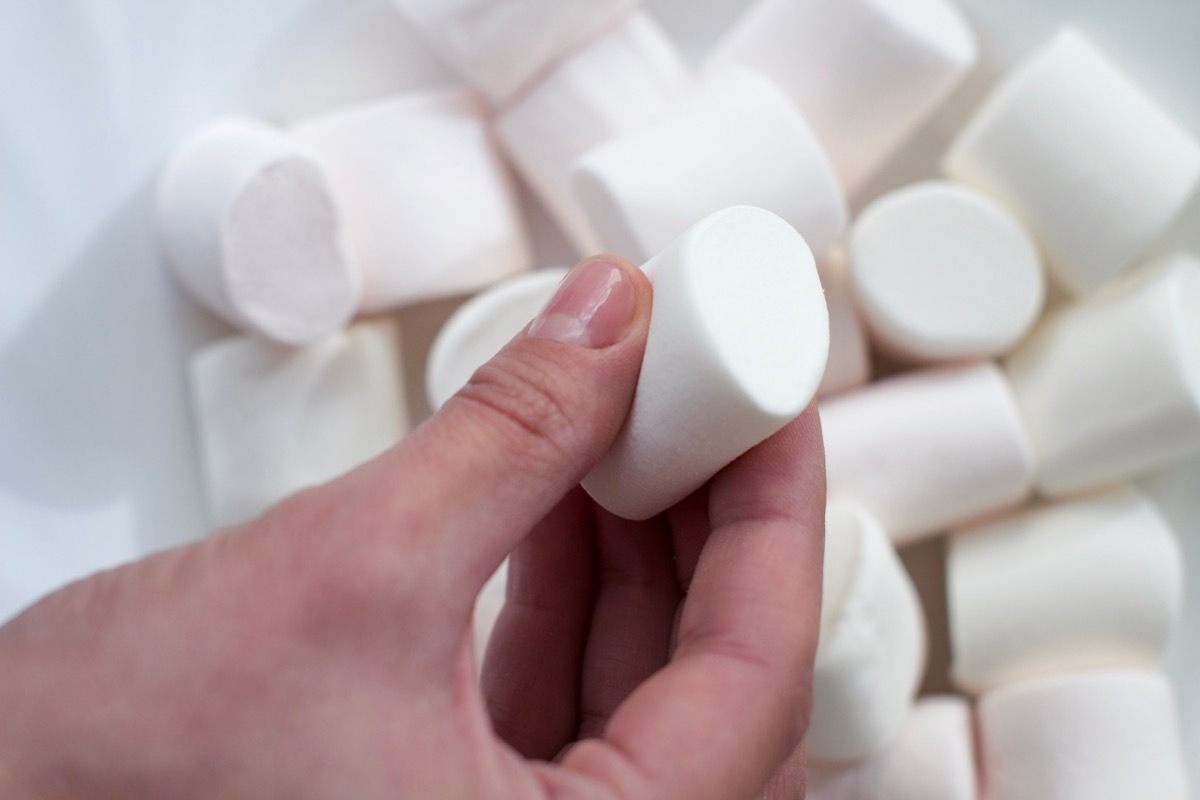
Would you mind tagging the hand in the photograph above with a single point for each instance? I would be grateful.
(324, 650)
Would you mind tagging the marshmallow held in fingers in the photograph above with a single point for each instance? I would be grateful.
(928, 450)
(931, 758)
(500, 46)
(849, 355)
(273, 420)
(942, 272)
(871, 651)
(251, 229)
(481, 327)
(738, 341)
(429, 206)
(610, 86)
(865, 73)
(734, 139)
(1092, 583)
(1036, 145)
(1108, 735)
(1110, 386)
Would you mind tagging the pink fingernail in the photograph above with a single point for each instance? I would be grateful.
(591, 308)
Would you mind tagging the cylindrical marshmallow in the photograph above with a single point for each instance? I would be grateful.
(1087, 736)
(734, 139)
(871, 651)
(1092, 583)
(942, 272)
(929, 450)
(931, 758)
(865, 73)
(500, 46)
(614, 84)
(737, 345)
(1038, 145)
(429, 206)
(849, 364)
(251, 229)
(1110, 386)
(481, 327)
(273, 420)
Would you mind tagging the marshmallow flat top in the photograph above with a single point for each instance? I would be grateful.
(429, 205)
(1091, 583)
(1036, 143)
(481, 327)
(735, 139)
(1109, 735)
(738, 340)
(251, 229)
(849, 363)
(943, 272)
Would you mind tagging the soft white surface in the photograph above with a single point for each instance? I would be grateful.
(849, 362)
(1109, 735)
(738, 340)
(1090, 583)
(735, 139)
(1038, 141)
(865, 73)
(928, 450)
(942, 272)
(1110, 387)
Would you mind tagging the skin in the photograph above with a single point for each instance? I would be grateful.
(324, 649)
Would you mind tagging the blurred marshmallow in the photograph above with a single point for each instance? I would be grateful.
(429, 206)
(738, 341)
(735, 139)
(251, 229)
(1093, 166)
(849, 363)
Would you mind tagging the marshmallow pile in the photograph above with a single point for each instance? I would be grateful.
(1039, 413)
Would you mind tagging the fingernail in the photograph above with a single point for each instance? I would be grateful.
(592, 307)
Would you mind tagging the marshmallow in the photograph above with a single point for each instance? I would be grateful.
(500, 46)
(865, 73)
(1092, 583)
(488, 606)
(481, 327)
(250, 227)
(1110, 386)
(942, 272)
(430, 209)
(1093, 166)
(734, 139)
(273, 420)
(871, 651)
(931, 758)
(609, 87)
(737, 345)
(1088, 736)
(849, 363)
(928, 450)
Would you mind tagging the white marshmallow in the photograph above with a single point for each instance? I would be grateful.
(1110, 386)
(735, 139)
(871, 652)
(737, 345)
(931, 758)
(942, 272)
(1087, 736)
(273, 420)
(481, 327)
(429, 206)
(250, 227)
(865, 73)
(928, 450)
(609, 87)
(488, 606)
(1092, 583)
(500, 46)
(849, 363)
(1038, 145)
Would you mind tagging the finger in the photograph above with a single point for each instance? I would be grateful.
(733, 703)
(689, 531)
(531, 675)
(790, 782)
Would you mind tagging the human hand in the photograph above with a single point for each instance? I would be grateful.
(324, 650)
